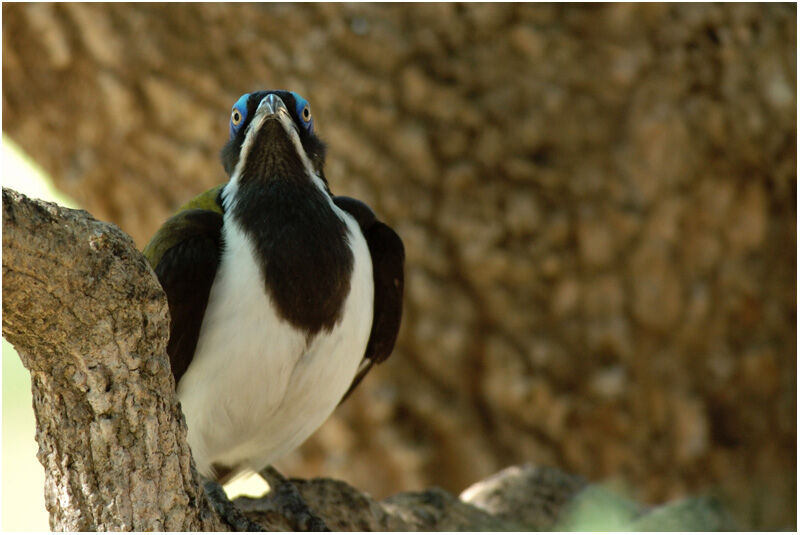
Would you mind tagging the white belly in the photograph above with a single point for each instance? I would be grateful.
(256, 388)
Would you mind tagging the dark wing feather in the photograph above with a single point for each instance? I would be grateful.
(186, 271)
(388, 257)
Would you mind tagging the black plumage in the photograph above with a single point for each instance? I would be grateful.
(186, 272)
(308, 283)
(388, 257)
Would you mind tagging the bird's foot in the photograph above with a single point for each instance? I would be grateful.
(289, 502)
(226, 509)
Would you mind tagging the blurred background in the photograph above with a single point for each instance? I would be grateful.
(598, 205)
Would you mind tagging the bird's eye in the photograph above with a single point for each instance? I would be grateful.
(236, 117)
(306, 113)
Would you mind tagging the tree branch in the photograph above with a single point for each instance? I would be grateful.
(90, 322)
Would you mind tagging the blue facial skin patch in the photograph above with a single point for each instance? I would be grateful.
(240, 105)
(300, 104)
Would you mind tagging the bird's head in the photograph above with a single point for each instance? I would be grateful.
(272, 135)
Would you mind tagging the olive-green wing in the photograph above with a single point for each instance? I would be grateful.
(185, 255)
(172, 231)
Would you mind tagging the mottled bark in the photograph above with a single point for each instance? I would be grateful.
(89, 320)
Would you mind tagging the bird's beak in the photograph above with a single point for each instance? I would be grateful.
(271, 105)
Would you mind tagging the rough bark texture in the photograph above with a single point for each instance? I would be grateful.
(598, 205)
(89, 320)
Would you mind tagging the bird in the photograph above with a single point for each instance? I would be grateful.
(282, 296)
